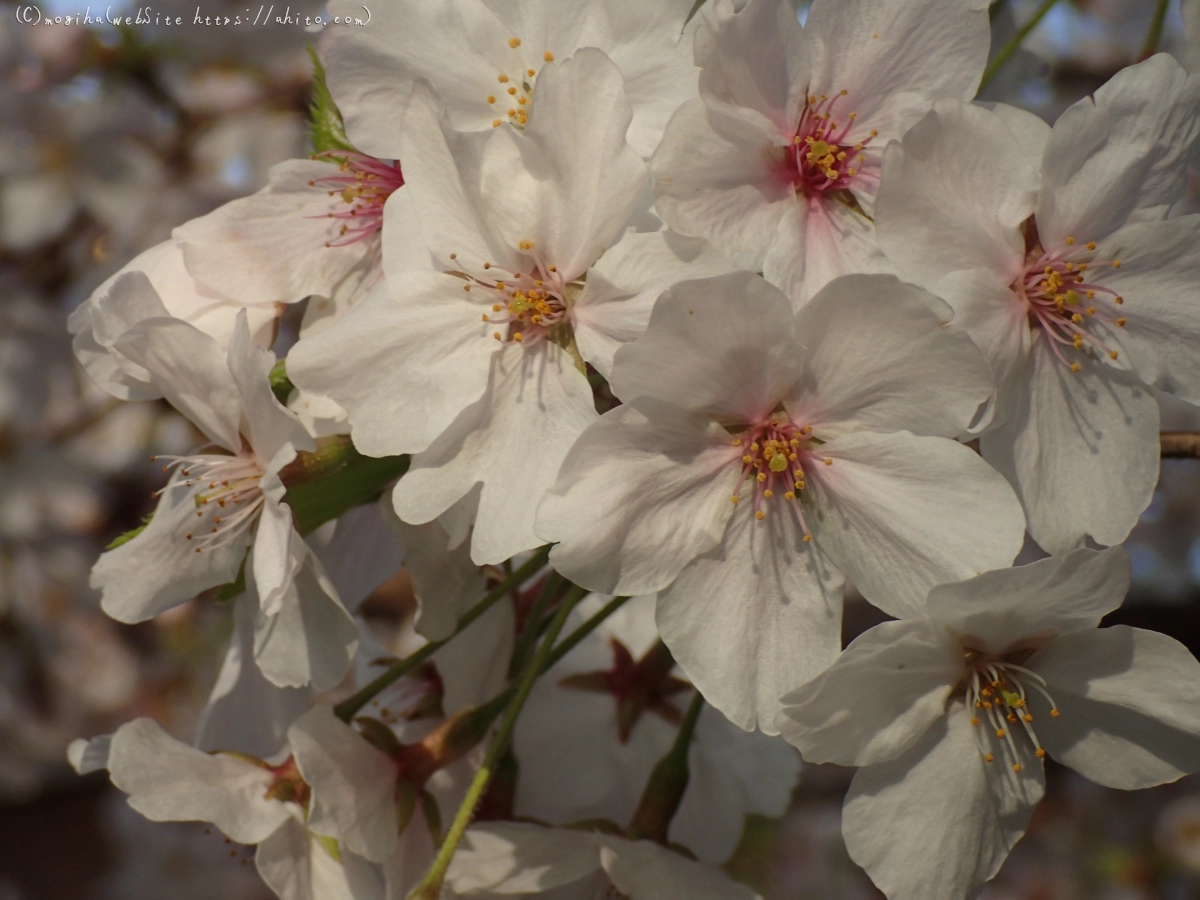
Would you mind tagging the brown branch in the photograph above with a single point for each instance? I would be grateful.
(1180, 444)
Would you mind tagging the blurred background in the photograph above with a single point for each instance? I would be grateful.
(109, 137)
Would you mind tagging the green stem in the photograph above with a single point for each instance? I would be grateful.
(1013, 43)
(572, 640)
(1154, 35)
(430, 887)
(529, 634)
(348, 708)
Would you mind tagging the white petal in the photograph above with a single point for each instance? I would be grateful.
(190, 369)
(513, 858)
(938, 822)
(1022, 607)
(894, 59)
(757, 61)
(420, 336)
(161, 567)
(295, 866)
(696, 355)
(311, 640)
(1080, 448)
(874, 347)
(269, 424)
(1121, 156)
(723, 179)
(272, 247)
(1130, 706)
(245, 712)
(1031, 132)
(885, 691)
(353, 784)
(168, 781)
(87, 756)
(593, 179)
(362, 553)
(900, 513)
(513, 440)
(113, 309)
(623, 285)
(647, 871)
(644, 491)
(953, 197)
(754, 617)
(1158, 279)
(446, 583)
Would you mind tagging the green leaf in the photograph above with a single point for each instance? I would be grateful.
(281, 385)
(326, 129)
(129, 535)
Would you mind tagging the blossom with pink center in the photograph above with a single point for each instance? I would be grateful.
(776, 163)
(951, 714)
(224, 501)
(1055, 250)
(509, 268)
(760, 454)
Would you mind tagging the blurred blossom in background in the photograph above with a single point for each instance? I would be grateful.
(111, 137)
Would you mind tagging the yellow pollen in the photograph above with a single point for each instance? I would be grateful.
(548, 56)
(514, 42)
(502, 78)
(760, 515)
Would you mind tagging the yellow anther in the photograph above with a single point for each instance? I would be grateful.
(1016, 767)
(762, 476)
(760, 515)
(737, 442)
(874, 133)
(1040, 753)
(1070, 267)
(495, 123)
(828, 461)
(754, 447)
(1091, 295)
(552, 269)
(1091, 310)
(1091, 245)
(768, 494)
(522, 100)
(807, 538)
(1116, 264)
(999, 732)
(1118, 300)
(1112, 354)
(987, 757)
(496, 307)
(548, 56)
(1077, 318)
(518, 337)
(1027, 717)
(974, 720)
(1054, 713)
(512, 90)
(1075, 367)
(502, 78)
(734, 498)
(1070, 241)
(1121, 323)
(491, 98)
(788, 495)
(485, 317)
(514, 42)
(747, 459)
(496, 335)
(530, 72)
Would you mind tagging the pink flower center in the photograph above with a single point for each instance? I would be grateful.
(997, 690)
(821, 159)
(776, 451)
(226, 490)
(526, 304)
(1065, 302)
(364, 184)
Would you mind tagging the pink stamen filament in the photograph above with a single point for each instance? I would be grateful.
(232, 483)
(527, 304)
(774, 456)
(820, 160)
(364, 189)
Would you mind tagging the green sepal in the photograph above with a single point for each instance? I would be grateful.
(433, 816)
(327, 131)
(333, 479)
(406, 804)
(281, 385)
(379, 736)
(329, 845)
(227, 592)
(129, 535)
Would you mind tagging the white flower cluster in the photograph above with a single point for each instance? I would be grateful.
(730, 311)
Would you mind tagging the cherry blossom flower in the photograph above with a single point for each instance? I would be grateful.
(223, 499)
(251, 801)
(312, 232)
(504, 859)
(777, 161)
(613, 707)
(830, 430)
(477, 364)
(1054, 248)
(484, 58)
(950, 717)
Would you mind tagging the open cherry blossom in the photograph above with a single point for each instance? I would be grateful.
(950, 717)
(777, 161)
(219, 501)
(485, 57)
(1055, 250)
(478, 364)
(831, 431)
